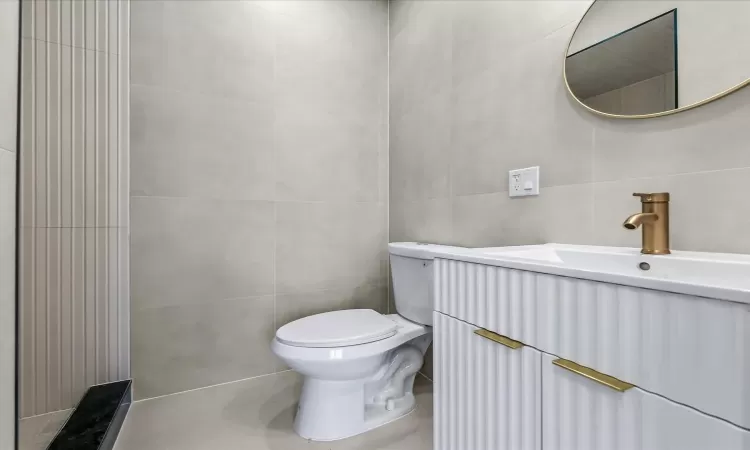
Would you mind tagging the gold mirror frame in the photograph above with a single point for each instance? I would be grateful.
(640, 116)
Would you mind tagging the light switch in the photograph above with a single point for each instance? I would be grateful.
(523, 182)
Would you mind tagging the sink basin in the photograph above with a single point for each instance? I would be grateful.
(715, 275)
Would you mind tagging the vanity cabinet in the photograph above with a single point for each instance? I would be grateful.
(487, 390)
(692, 350)
(495, 393)
(581, 414)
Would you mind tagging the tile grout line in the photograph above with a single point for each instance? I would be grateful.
(211, 386)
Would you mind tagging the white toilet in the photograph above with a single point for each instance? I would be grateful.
(359, 365)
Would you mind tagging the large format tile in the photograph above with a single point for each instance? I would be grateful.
(196, 250)
(421, 221)
(172, 42)
(36, 432)
(7, 231)
(562, 214)
(7, 296)
(485, 32)
(331, 92)
(707, 210)
(258, 414)
(420, 148)
(8, 73)
(329, 245)
(176, 348)
(712, 137)
(518, 114)
(322, 156)
(420, 56)
(332, 56)
(188, 145)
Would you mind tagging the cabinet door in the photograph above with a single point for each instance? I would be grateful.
(487, 395)
(582, 414)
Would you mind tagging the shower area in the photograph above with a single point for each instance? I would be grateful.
(193, 176)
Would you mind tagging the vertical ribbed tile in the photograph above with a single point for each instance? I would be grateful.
(65, 124)
(74, 200)
(39, 146)
(28, 126)
(78, 137)
(27, 330)
(40, 315)
(123, 124)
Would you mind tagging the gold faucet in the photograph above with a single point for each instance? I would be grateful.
(654, 220)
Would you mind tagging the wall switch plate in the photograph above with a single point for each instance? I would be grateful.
(523, 182)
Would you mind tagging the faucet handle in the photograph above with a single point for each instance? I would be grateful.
(657, 197)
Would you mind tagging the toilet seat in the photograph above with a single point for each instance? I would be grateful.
(337, 329)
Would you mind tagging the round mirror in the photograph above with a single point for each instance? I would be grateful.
(639, 59)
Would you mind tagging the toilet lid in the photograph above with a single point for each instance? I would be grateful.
(337, 329)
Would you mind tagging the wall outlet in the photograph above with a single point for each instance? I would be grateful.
(523, 182)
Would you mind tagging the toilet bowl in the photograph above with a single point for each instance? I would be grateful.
(350, 389)
(359, 365)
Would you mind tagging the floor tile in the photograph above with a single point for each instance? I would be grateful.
(257, 414)
(35, 433)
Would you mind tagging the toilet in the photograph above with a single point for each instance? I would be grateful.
(359, 365)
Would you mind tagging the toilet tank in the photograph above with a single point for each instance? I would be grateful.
(411, 271)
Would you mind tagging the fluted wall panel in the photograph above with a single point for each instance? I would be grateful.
(662, 342)
(582, 415)
(74, 200)
(487, 396)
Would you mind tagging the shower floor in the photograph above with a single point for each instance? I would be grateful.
(257, 414)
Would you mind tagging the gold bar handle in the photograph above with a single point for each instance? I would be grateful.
(500, 339)
(591, 374)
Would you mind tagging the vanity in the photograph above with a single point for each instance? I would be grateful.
(577, 347)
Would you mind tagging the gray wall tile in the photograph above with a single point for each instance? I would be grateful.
(421, 220)
(700, 220)
(329, 245)
(176, 348)
(221, 48)
(177, 139)
(188, 250)
(7, 295)
(322, 156)
(265, 171)
(711, 137)
(8, 74)
(510, 109)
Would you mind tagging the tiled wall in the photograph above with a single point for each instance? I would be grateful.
(477, 89)
(9, 11)
(259, 179)
(74, 200)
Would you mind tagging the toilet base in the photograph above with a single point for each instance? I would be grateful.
(334, 410)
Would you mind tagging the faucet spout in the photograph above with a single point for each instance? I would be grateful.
(654, 218)
(636, 220)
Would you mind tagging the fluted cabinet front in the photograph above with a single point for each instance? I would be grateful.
(580, 414)
(487, 395)
(661, 341)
